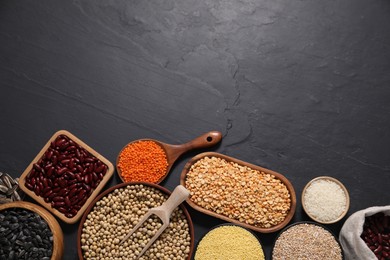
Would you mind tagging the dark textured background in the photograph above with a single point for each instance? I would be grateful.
(300, 87)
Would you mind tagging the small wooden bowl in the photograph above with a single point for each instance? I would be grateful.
(283, 179)
(40, 200)
(58, 237)
(328, 179)
(122, 185)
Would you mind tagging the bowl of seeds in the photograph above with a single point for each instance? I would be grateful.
(65, 176)
(28, 231)
(229, 241)
(325, 200)
(239, 192)
(307, 240)
(110, 217)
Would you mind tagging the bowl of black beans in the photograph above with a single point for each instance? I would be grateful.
(28, 231)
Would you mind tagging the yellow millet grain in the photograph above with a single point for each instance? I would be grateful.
(227, 243)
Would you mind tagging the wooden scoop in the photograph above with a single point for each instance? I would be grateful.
(173, 152)
(164, 212)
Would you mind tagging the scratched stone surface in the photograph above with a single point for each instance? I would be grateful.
(299, 87)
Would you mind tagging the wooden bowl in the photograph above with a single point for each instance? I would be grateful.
(341, 186)
(95, 192)
(58, 238)
(122, 185)
(222, 241)
(279, 176)
(310, 223)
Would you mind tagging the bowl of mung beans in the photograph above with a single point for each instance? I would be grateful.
(229, 241)
(112, 214)
(28, 231)
(239, 192)
(307, 240)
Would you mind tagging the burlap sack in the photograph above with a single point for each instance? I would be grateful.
(353, 246)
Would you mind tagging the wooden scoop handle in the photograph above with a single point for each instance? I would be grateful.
(206, 140)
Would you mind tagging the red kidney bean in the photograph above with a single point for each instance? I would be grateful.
(50, 171)
(67, 201)
(47, 166)
(87, 178)
(58, 198)
(65, 162)
(56, 189)
(60, 141)
(86, 187)
(62, 210)
(46, 183)
(32, 181)
(81, 193)
(82, 201)
(59, 204)
(54, 159)
(29, 186)
(37, 167)
(45, 190)
(88, 159)
(95, 177)
(37, 191)
(61, 171)
(63, 192)
(90, 168)
(48, 193)
(99, 169)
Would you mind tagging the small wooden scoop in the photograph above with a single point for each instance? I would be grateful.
(173, 152)
(164, 212)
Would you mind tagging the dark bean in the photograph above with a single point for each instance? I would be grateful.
(61, 171)
(67, 201)
(37, 167)
(62, 210)
(88, 178)
(29, 186)
(59, 204)
(56, 199)
(54, 159)
(50, 171)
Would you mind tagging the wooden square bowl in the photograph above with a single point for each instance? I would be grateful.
(65, 176)
(221, 192)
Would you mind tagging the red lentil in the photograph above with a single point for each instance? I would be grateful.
(142, 161)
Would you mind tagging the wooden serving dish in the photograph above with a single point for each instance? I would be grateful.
(122, 185)
(279, 176)
(95, 192)
(341, 186)
(58, 237)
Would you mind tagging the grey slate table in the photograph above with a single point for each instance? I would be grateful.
(299, 87)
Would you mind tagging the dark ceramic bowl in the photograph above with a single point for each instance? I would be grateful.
(310, 223)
